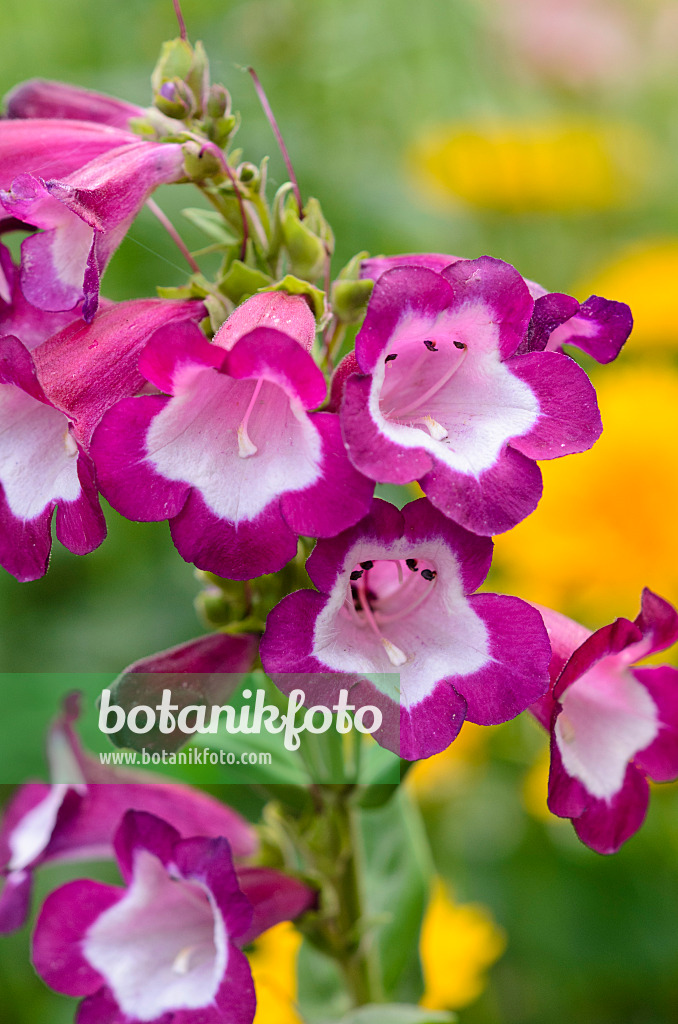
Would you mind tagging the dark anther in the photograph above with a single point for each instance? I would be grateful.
(356, 574)
(428, 574)
(411, 563)
(459, 344)
(366, 565)
(392, 356)
(430, 345)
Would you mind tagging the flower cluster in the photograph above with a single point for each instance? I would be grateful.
(234, 410)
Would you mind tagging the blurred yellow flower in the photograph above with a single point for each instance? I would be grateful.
(458, 942)
(274, 969)
(645, 276)
(523, 166)
(434, 777)
(606, 525)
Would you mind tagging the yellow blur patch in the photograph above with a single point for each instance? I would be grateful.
(458, 943)
(644, 277)
(523, 166)
(606, 526)
(435, 776)
(274, 969)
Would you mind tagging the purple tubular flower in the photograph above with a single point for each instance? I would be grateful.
(444, 399)
(42, 467)
(396, 595)
(599, 327)
(84, 217)
(612, 724)
(161, 949)
(232, 458)
(41, 98)
(54, 147)
(77, 821)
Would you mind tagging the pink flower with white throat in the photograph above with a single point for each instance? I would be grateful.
(50, 401)
(396, 599)
(447, 396)
(231, 454)
(162, 949)
(612, 722)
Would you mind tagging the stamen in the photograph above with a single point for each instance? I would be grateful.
(356, 574)
(459, 344)
(394, 355)
(246, 446)
(402, 613)
(433, 390)
(395, 655)
(411, 563)
(428, 574)
(367, 565)
(430, 345)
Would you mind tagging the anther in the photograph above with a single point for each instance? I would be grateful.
(366, 565)
(428, 574)
(356, 574)
(430, 345)
(411, 563)
(394, 355)
(459, 344)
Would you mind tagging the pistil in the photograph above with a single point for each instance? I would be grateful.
(246, 446)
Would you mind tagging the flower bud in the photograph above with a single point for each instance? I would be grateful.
(218, 102)
(176, 100)
(201, 162)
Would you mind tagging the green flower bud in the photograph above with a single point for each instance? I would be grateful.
(349, 300)
(218, 102)
(176, 100)
(201, 162)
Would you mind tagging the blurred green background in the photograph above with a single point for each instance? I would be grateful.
(541, 132)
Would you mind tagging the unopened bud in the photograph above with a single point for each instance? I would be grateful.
(175, 99)
(349, 299)
(218, 102)
(201, 162)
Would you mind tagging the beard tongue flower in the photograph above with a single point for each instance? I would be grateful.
(396, 600)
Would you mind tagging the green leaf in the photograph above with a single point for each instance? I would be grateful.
(397, 1013)
(212, 223)
(295, 286)
(242, 281)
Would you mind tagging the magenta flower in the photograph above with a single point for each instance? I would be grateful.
(18, 316)
(41, 98)
(77, 820)
(598, 326)
(166, 947)
(445, 396)
(162, 949)
(232, 456)
(84, 217)
(50, 401)
(396, 595)
(612, 723)
(42, 467)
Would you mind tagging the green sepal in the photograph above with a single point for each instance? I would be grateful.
(201, 162)
(295, 286)
(175, 61)
(349, 300)
(241, 281)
